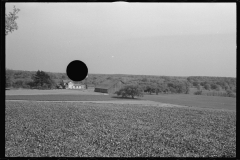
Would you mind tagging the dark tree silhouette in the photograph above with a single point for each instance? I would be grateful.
(10, 21)
(130, 90)
(42, 80)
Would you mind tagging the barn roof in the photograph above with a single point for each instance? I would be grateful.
(108, 84)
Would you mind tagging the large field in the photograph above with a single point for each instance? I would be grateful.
(129, 129)
(201, 101)
(85, 129)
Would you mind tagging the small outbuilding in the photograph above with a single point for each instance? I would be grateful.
(109, 86)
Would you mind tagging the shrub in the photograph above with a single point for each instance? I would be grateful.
(150, 89)
(207, 86)
(172, 90)
(18, 84)
(26, 86)
(198, 93)
(199, 87)
(214, 86)
(195, 83)
(44, 86)
(230, 93)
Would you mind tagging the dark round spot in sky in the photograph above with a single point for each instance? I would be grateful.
(77, 70)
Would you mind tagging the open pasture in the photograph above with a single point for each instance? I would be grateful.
(201, 101)
(82, 129)
(61, 97)
(50, 92)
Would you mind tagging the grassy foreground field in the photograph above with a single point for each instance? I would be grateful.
(77, 129)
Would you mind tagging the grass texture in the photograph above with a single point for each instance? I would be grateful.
(73, 129)
(228, 103)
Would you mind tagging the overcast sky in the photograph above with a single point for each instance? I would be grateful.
(171, 39)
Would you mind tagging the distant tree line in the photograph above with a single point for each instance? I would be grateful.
(228, 93)
(214, 83)
(29, 80)
(165, 87)
(147, 84)
(216, 86)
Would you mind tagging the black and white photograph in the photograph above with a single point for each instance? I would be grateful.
(120, 79)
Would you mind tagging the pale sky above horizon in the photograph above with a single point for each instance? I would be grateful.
(166, 39)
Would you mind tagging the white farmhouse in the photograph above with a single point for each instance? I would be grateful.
(73, 85)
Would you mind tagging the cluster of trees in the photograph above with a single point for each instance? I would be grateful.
(135, 88)
(39, 80)
(130, 91)
(213, 83)
(228, 93)
(216, 86)
(181, 85)
(165, 87)
(42, 80)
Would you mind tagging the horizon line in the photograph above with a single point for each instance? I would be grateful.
(120, 74)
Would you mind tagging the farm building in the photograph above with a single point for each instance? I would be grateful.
(73, 85)
(109, 86)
